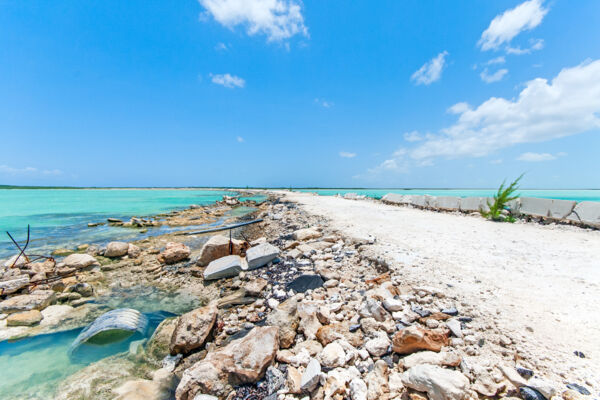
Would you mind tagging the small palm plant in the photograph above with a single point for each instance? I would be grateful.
(501, 199)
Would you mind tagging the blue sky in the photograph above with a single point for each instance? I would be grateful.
(289, 93)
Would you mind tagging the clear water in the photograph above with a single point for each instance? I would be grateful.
(59, 217)
(34, 367)
(576, 195)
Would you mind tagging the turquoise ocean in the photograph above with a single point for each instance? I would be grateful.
(561, 194)
(59, 217)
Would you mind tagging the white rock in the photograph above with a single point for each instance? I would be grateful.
(261, 255)
(13, 284)
(358, 389)
(542, 386)
(379, 345)
(272, 303)
(80, 261)
(455, 328)
(311, 376)
(432, 358)
(439, 383)
(19, 262)
(116, 249)
(333, 355)
(391, 304)
(225, 267)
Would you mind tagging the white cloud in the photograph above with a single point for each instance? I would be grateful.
(494, 77)
(496, 162)
(431, 71)
(534, 44)
(413, 136)
(324, 103)
(544, 110)
(497, 60)
(221, 47)
(346, 154)
(240, 139)
(8, 170)
(227, 80)
(536, 157)
(277, 19)
(505, 27)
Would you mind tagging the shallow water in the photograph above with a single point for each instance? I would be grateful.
(35, 366)
(576, 195)
(59, 217)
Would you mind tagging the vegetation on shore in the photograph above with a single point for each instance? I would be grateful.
(498, 209)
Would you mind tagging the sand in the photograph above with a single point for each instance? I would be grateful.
(539, 284)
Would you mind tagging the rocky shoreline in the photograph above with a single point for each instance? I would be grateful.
(296, 311)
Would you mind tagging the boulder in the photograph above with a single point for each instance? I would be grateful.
(437, 382)
(449, 203)
(158, 345)
(414, 338)
(37, 300)
(474, 204)
(13, 284)
(24, 318)
(261, 255)
(242, 361)
(306, 234)
(225, 267)
(174, 252)
(79, 261)
(116, 249)
(218, 247)
(551, 208)
(192, 330)
(133, 251)
(587, 212)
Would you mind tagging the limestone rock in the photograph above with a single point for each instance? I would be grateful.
(133, 251)
(174, 253)
(414, 338)
(218, 247)
(225, 267)
(17, 260)
(306, 234)
(293, 380)
(192, 329)
(116, 249)
(333, 355)
(358, 389)
(311, 376)
(433, 358)
(309, 322)
(159, 388)
(329, 333)
(255, 286)
(377, 382)
(14, 284)
(261, 255)
(437, 382)
(24, 318)
(79, 261)
(37, 300)
(285, 316)
(378, 346)
(242, 361)
(158, 345)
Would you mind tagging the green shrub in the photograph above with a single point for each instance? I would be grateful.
(501, 199)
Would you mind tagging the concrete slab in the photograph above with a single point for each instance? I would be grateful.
(550, 208)
(587, 212)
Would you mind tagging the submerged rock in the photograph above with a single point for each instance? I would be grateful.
(79, 261)
(242, 361)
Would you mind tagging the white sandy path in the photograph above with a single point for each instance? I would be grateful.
(545, 278)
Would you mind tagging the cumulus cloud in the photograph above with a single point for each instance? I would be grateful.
(228, 80)
(431, 71)
(544, 110)
(346, 154)
(536, 157)
(488, 77)
(506, 26)
(277, 19)
(534, 44)
(413, 136)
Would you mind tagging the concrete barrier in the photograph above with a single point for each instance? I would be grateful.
(445, 203)
(394, 198)
(474, 204)
(587, 212)
(421, 200)
(549, 208)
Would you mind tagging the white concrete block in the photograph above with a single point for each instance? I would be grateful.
(587, 212)
(550, 208)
